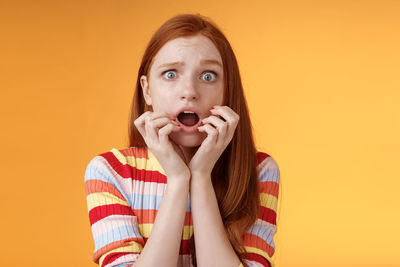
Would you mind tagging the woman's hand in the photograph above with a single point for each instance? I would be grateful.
(219, 135)
(155, 128)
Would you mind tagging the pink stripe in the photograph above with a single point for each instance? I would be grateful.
(148, 188)
(102, 226)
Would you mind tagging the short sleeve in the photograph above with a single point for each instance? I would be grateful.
(114, 226)
(259, 239)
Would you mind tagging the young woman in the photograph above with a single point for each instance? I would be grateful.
(191, 189)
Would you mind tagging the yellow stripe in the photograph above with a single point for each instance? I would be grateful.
(187, 232)
(259, 252)
(269, 201)
(150, 164)
(118, 155)
(155, 165)
(103, 198)
(145, 229)
(133, 247)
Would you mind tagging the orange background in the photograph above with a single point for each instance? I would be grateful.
(322, 82)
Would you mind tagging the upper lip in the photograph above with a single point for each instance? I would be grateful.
(193, 109)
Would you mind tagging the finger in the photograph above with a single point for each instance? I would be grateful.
(226, 113)
(140, 120)
(212, 133)
(156, 121)
(222, 126)
(157, 115)
(160, 122)
(231, 118)
(151, 132)
(140, 123)
(164, 132)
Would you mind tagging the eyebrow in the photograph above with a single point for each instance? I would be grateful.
(204, 61)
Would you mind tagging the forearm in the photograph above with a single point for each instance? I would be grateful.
(212, 244)
(162, 247)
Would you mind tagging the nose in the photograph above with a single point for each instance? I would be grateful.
(189, 90)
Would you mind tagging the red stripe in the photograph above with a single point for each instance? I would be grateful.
(267, 215)
(101, 212)
(147, 176)
(184, 248)
(257, 258)
(252, 240)
(113, 256)
(261, 156)
(269, 187)
(129, 172)
(114, 245)
(95, 186)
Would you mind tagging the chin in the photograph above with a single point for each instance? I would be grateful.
(188, 140)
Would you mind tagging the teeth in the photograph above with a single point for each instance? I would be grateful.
(188, 111)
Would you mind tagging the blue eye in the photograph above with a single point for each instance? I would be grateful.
(209, 76)
(169, 74)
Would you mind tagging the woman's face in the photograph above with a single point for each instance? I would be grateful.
(186, 74)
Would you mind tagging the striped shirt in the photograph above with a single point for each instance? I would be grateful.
(124, 189)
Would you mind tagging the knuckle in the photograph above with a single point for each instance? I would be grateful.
(163, 131)
(214, 132)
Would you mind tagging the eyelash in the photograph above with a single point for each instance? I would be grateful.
(208, 71)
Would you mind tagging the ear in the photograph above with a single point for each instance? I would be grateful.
(145, 88)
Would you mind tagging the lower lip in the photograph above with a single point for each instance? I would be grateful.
(189, 129)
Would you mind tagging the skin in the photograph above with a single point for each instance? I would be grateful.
(188, 158)
(192, 84)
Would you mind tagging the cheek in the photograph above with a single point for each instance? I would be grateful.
(218, 98)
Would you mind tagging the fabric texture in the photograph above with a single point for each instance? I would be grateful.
(124, 189)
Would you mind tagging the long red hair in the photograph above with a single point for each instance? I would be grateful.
(234, 177)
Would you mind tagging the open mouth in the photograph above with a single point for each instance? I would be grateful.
(188, 118)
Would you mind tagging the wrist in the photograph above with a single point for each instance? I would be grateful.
(200, 179)
(178, 180)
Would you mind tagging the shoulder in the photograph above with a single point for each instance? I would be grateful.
(268, 179)
(131, 162)
(268, 185)
(117, 160)
(117, 156)
(267, 167)
(112, 170)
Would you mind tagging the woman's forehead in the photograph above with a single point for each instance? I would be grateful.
(195, 48)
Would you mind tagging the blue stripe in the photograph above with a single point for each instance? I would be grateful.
(93, 172)
(124, 264)
(116, 234)
(270, 175)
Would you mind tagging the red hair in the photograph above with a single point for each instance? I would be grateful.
(234, 177)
